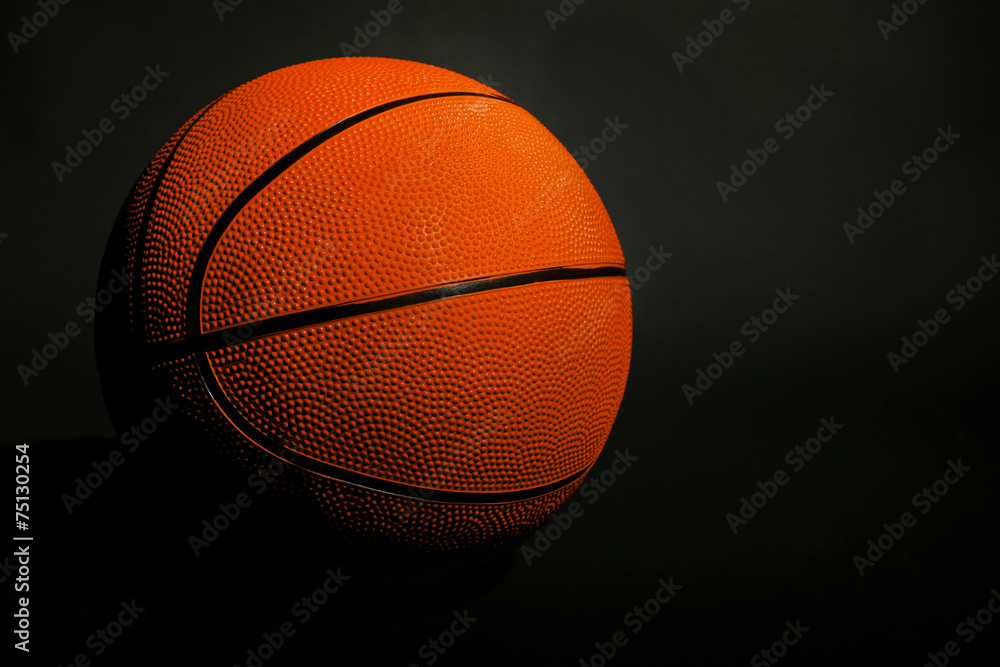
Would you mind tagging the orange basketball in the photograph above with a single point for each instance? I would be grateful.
(389, 276)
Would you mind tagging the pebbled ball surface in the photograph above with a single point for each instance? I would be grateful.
(492, 392)
(496, 391)
(374, 224)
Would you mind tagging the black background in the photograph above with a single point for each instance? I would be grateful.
(665, 517)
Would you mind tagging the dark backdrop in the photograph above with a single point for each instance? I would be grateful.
(888, 94)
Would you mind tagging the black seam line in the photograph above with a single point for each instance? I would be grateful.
(270, 174)
(351, 477)
(246, 332)
(417, 493)
(147, 212)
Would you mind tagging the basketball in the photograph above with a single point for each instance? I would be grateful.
(386, 281)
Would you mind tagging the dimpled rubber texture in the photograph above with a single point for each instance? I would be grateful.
(374, 225)
(132, 218)
(485, 392)
(507, 390)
